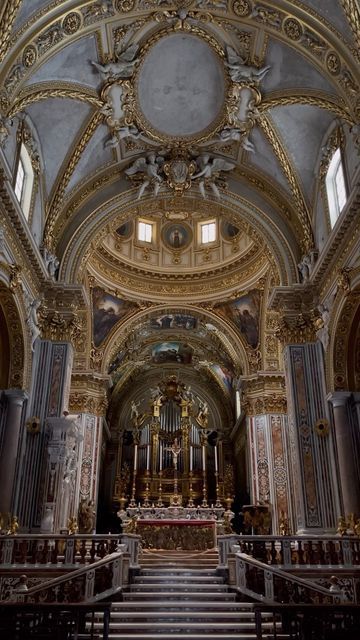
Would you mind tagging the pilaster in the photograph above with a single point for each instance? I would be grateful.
(15, 399)
(316, 497)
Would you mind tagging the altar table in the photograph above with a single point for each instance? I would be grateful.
(196, 535)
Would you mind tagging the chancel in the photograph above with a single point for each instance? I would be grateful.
(179, 319)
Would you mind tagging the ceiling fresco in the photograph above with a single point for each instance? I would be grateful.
(202, 125)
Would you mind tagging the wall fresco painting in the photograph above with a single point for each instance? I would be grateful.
(173, 321)
(107, 311)
(245, 313)
(224, 375)
(180, 352)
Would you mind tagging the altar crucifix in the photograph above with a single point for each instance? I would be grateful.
(175, 450)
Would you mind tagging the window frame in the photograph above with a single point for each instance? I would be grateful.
(24, 198)
(202, 225)
(146, 224)
(336, 198)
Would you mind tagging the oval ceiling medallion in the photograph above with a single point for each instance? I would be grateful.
(180, 87)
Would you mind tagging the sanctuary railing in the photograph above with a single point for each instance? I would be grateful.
(293, 552)
(64, 550)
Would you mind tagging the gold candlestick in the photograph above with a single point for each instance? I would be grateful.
(160, 502)
(147, 490)
(218, 502)
(191, 501)
(204, 501)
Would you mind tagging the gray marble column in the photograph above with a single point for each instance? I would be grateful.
(10, 443)
(346, 452)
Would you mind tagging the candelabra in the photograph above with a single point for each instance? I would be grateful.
(218, 502)
(204, 501)
(132, 502)
(191, 501)
(147, 490)
(160, 502)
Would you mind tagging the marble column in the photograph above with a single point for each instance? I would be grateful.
(10, 446)
(346, 444)
(312, 447)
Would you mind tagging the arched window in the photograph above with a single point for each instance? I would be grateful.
(24, 181)
(335, 187)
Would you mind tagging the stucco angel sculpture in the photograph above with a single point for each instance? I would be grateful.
(209, 171)
(242, 72)
(122, 68)
(151, 168)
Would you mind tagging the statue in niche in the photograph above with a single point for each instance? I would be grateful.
(122, 68)
(151, 167)
(51, 262)
(209, 171)
(33, 321)
(242, 72)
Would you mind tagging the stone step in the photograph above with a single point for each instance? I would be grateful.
(176, 596)
(153, 635)
(182, 577)
(165, 605)
(184, 626)
(172, 571)
(195, 616)
(179, 586)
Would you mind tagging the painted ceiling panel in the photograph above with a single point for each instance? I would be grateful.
(94, 156)
(302, 128)
(265, 159)
(290, 70)
(57, 122)
(71, 63)
(333, 12)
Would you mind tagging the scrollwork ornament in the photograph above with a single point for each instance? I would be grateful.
(29, 56)
(71, 23)
(241, 8)
(293, 29)
(333, 63)
(124, 6)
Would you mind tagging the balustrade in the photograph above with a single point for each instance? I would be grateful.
(294, 551)
(68, 550)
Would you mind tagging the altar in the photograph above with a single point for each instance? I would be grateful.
(171, 528)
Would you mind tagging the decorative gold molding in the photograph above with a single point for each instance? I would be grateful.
(267, 127)
(59, 327)
(352, 12)
(7, 19)
(44, 94)
(297, 330)
(17, 373)
(316, 101)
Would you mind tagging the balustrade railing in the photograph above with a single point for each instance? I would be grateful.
(91, 583)
(294, 551)
(64, 550)
(270, 584)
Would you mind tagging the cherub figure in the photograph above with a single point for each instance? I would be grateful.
(151, 167)
(242, 72)
(209, 171)
(122, 68)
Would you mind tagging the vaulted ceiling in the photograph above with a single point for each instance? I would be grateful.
(267, 190)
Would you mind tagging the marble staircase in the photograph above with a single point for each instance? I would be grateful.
(180, 595)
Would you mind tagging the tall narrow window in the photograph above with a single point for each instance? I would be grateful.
(20, 181)
(208, 232)
(24, 181)
(145, 231)
(335, 187)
